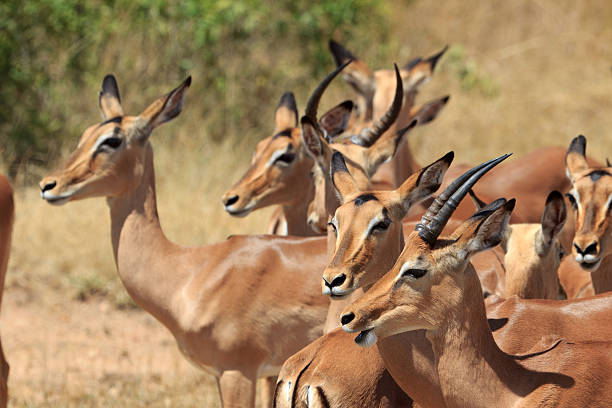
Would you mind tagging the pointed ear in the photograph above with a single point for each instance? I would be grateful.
(108, 99)
(424, 182)
(575, 160)
(384, 148)
(553, 218)
(419, 70)
(340, 176)
(315, 145)
(430, 110)
(335, 120)
(286, 114)
(166, 107)
(485, 229)
(357, 73)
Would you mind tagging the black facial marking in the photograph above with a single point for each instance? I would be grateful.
(597, 174)
(364, 198)
(116, 119)
(284, 133)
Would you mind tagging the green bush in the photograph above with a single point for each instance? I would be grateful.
(53, 54)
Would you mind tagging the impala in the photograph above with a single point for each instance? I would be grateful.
(433, 287)
(7, 210)
(528, 178)
(591, 200)
(369, 239)
(226, 304)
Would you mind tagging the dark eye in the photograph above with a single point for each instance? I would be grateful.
(381, 226)
(112, 142)
(414, 273)
(572, 200)
(331, 224)
(285, 158)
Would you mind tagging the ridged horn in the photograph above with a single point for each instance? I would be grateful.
(440, 211)
(369, 136)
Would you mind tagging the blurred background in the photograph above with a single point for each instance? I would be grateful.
(521, 75)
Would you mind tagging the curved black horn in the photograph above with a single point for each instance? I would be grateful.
(313, 102)
(440, 211)
(369, 136)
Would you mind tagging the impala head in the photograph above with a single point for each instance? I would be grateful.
(534, 249)
(421, 289)
(368, 225)
(591, 200)
(109, 159)
(280, 165)
(368, 83)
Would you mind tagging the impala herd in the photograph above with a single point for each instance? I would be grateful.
(497, 300)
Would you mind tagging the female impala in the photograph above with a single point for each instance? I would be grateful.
(591, 199)
(227, 304)
(433, 286)
(7, 210)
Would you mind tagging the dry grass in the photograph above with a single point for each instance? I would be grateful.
(522, 74)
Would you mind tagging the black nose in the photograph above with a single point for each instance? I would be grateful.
(231, 200)
(337, 281)
(590, 249)
(347, 318)
(49, 186)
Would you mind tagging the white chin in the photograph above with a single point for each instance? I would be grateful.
(57, 201)
(366, 338)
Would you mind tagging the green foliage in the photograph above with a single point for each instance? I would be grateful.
(53, 53)
(470, 76)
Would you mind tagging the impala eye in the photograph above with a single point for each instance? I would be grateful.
(112, 142)
(572, 200)
(414, 273)
(381, 226)
(285, 159)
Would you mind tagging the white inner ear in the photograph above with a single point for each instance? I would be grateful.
(609, 202)
(100, 140)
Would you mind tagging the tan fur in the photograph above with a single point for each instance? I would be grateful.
(447, 302)
(7, 210)
(228, 304)
(592, 216)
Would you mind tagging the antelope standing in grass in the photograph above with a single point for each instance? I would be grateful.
(227, 304)
(7, 215)
(433, 287)
(591, 200)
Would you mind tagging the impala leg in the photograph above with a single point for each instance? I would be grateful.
(237, 389)
(4, 372)
(268, 384)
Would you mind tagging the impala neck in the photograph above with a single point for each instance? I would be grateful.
(296, 213)
(141, 248)
(465, 340)
(602, 277)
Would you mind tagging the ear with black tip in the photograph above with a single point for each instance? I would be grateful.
(553, 218)
(286, 114)
(430, 110)
(478, 203)
(608, 164)
(423, 183)
(166, 107)
(433, 60)
(315, 144)
(341, 177)
(490, 229)
(575, 159)
(357, 73)
(108, 99)
(335, 120)
(340, 53)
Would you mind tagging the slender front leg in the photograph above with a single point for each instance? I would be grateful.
(237, 389)
(4, 372)
(268, 384)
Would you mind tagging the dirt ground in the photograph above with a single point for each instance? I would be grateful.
(88, 354)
